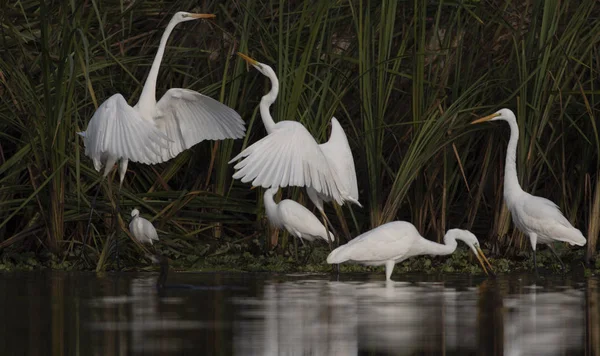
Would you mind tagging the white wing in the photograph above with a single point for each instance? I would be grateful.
(117, 130)
(338, 153)
(295, 215)
(542, 209)
(148, 230)
(288, 156)
(389, 241)
(188, 117)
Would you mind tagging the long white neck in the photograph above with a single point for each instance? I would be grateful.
(434, 248)
(269, 99)
(271, 207)
(511, 180)
(148, 96)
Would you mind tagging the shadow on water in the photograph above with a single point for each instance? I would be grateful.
(53, 313)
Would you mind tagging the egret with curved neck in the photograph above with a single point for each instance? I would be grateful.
(538, 218)
(153, 132)
(397, 241)
(290, 156)
(295, 218)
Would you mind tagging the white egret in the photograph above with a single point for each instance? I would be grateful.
(537, 217)
(290, 156)
(152, 132)
(397, 241)
(295, 218)
(142, 229)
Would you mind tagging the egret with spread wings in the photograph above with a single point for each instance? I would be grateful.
(397, 241)
(537, 217)
(152, 132)
(290, 156)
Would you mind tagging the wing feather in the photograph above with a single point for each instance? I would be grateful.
(291, 150)
(338, 153)
(542, 209)
(188, 117)
(117, 130)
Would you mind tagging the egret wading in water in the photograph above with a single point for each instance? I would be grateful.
(152, 132)
(290, 156)
(537, 217)
(142, 229)
(295, 218)
(397, 241)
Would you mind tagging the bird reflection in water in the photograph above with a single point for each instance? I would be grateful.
(344, 318)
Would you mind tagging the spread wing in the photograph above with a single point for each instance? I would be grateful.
(288, 156)
(118, 130)
(338, 153)
(188, 117)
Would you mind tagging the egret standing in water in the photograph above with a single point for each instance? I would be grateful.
(396, 241)
(290, 156)
(537, 217)
(152, 132)
(295, 218)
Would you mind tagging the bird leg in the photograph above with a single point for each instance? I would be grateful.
(310, 250)
(533, 240)
(326, 222)
(116, 225)
(535, 264)
(562, 265)
(89, 223)
(389, 268)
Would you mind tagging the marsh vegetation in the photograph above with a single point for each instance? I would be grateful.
(404, 78)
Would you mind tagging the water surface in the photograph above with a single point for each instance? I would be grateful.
(58, 313)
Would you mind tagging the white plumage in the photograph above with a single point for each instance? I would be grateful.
(396, 241)
(142, 229)
(152, 132)
(538, 218)
(293, 217)
(290, 156)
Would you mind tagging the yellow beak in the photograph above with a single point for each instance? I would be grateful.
(481, 258)
(254, 187)
(484, 119)
(248, 59)
(202, 16)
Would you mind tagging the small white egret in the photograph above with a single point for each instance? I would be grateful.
(537, 217)
(295, 218)
(290, 156)
(142, 229)
(397, 241)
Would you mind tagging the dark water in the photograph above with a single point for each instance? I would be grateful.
(52, 313)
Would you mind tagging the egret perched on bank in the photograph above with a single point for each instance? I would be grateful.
(295, 218)
(142, 229)
(537, 217)
(290, 156)
(152, 132)
(397, 241)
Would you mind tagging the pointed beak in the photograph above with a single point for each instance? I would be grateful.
(484, 119)
(248, 59)
(254, 187)
(481, 258)
(202, 16)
